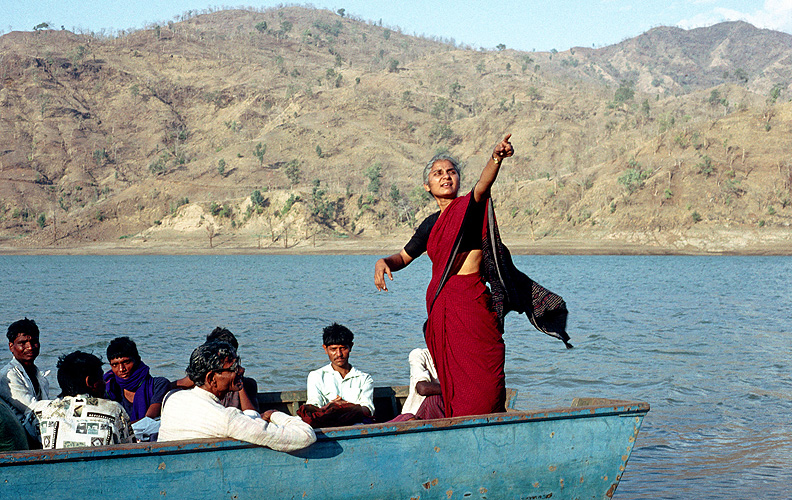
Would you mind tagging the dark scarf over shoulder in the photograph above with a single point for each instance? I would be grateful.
(511, 289)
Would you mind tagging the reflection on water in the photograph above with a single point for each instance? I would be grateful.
(705, 340)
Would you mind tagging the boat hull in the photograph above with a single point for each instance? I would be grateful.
(578, 452)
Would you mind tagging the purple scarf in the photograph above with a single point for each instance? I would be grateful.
(140, 381)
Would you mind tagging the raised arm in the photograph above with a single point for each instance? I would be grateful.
(502, 150)
(388, 265)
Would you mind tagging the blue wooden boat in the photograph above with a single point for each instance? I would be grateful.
(577, 452)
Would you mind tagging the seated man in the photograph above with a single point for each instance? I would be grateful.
(244, 399)
(425, 400)
(12, 436)
(128, 382)
(197, 413)
(21, 382)
(338, 394)
(80, 416)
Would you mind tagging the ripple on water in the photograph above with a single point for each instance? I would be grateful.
(683, 333)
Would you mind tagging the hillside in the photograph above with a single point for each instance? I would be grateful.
(298, 128)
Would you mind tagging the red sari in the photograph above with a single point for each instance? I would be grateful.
(463, 332)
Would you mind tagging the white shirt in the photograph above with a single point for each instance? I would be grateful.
(422, 369)
(325, 384)
(17, 390)
(82, 420)
(197, 413)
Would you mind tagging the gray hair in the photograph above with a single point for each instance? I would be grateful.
(436, 158)
(207, 358)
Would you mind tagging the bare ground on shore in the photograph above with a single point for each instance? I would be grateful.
(709, 242)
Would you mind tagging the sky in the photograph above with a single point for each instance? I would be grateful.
(519, 24)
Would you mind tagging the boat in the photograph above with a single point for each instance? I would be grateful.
(575, 452)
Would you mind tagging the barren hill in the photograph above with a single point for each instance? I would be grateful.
(302, 127)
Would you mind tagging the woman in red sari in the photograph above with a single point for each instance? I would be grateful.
(463, 333)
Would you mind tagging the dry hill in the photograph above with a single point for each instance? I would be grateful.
(300, 127)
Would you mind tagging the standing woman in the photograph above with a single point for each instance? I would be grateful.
(464, 332)
(128, 381)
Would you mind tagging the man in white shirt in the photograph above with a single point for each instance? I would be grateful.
(338, 394)
(197, 413)
(21, 382)
(80, 416)
(425, 399)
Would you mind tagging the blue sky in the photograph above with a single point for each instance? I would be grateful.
(523, 25)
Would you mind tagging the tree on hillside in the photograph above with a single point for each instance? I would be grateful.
(625, 92)
(292, 172)
(259, 152)
(261, 27)
(374, 175)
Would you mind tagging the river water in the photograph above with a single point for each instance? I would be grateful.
(704, 340)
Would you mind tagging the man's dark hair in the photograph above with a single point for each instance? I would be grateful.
(207, 358)
(336, 334)
(122, 347)
(73, 369)
(23, 326)
(221, 334)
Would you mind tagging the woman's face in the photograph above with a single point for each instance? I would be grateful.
(443, 180)
(122, 367)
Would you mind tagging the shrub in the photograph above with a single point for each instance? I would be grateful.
(261, 27)
(441, 132)
(695, 216)
(704, 167)
(289, 203)
(42, 220)
(292, 172)
(625, 92)
(221, 164)
(634, 178)
(393, 66)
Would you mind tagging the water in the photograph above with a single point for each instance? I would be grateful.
(704, 340)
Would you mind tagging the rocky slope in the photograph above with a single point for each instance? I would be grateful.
(288, 127)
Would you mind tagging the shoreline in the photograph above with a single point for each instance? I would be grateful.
(387, 246)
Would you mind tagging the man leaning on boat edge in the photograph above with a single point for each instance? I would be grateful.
(197, 413)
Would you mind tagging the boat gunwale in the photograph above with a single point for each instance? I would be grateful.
(607, 408)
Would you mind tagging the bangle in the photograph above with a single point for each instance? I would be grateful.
(496, 159)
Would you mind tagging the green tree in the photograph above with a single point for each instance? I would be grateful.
(501, 47)
(259, 152)
(261, 27)
(341, 12)
(319, 151)
(221, 164)
(374, 175)
(42, 220)
(395, 195)
(292, 172)
(393, 66)
(634, 178)
(625, 92)
(100, 156)
(257, 199)
(454, 88)
(775, 92)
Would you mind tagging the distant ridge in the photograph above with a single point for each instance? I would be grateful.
(280, 127)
